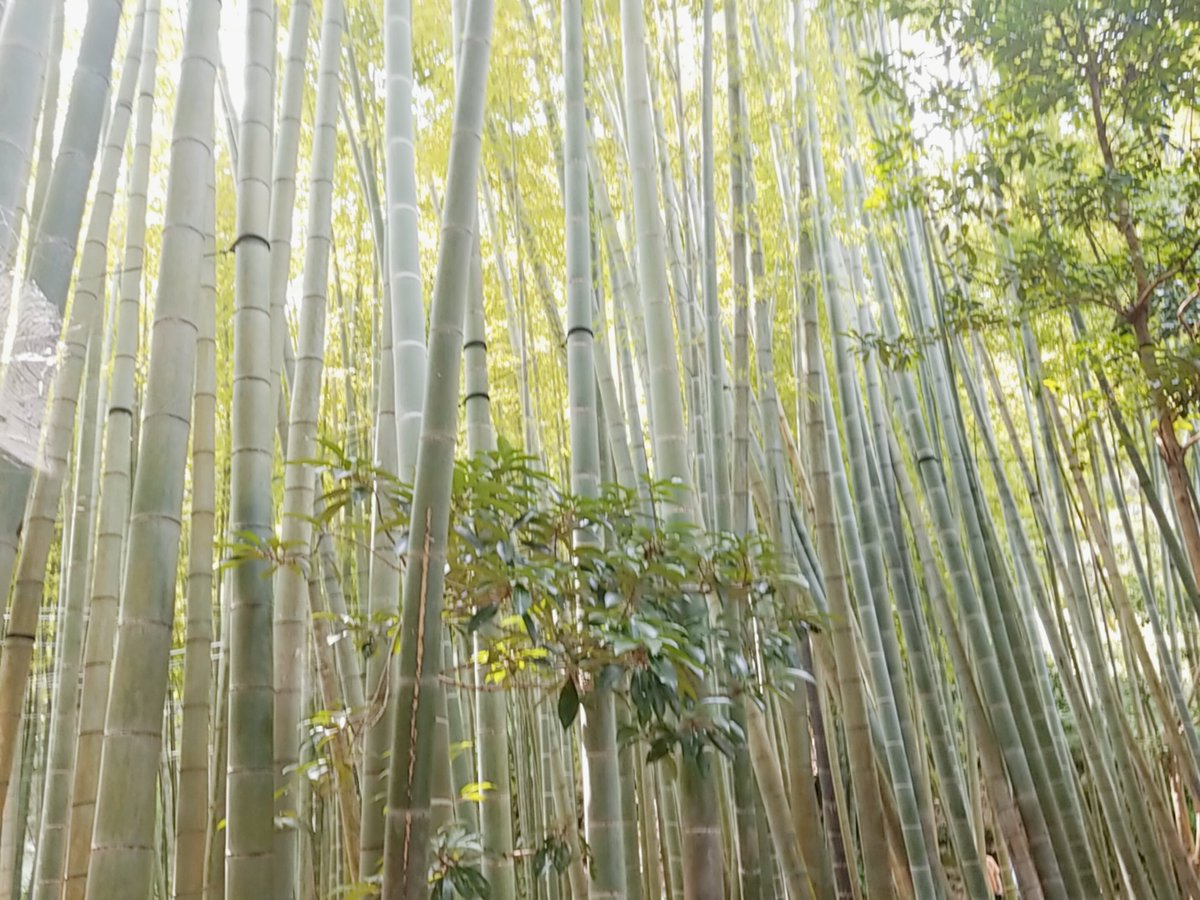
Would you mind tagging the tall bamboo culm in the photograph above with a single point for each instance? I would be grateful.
(410, 768)
(122, 858)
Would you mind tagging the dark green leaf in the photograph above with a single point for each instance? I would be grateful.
(568, 703)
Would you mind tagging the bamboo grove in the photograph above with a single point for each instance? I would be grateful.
(599, 448)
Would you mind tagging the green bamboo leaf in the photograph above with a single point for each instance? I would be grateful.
(568, 703)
